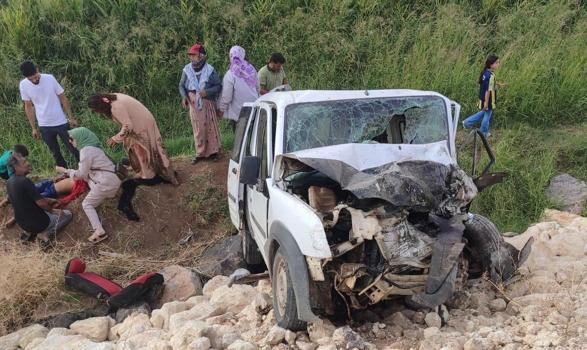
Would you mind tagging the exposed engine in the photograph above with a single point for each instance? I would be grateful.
(394, 230)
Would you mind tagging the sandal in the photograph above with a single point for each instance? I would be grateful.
(95, 239)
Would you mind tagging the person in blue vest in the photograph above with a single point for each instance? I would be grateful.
(487, 96)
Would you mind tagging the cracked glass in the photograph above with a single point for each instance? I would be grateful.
(398, 120)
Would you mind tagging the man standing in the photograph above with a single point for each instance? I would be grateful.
(32, 212)
(199, 87)
(43, 97)
(272, 75)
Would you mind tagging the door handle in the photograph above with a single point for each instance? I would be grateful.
(234, 171)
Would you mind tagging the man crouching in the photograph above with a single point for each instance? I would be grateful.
(33, 213)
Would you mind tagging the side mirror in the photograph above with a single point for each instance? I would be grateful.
(249, 170)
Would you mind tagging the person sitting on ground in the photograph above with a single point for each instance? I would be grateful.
(272, 74)
(141, 140)
(99, 171)
(33, 213)
(240, 85)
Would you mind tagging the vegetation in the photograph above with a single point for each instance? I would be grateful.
(138, 47)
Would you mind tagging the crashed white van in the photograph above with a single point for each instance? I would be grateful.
(353, 197)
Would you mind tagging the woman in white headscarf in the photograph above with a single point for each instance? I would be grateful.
(240, 85)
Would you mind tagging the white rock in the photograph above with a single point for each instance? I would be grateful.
(60, 331)
(221, 336)
(202, 343)
(290, 337)
(242, 345)
(71, 342)
(431, 332)
(497, 305)
(302, 345)
(160, 317)
(198, 312)
(184, 336)
(94, 328)
(327, 347)
(275, 336)
(433, 320)
(198, 299)
(30, 333)
(320, 329)
(180, 284)
(132, 325)
(264, 286)
(152, 339)
(262, 303)
(213, 284)
(33, 343)
(234, 298)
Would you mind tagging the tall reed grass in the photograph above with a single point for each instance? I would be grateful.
(138, 47)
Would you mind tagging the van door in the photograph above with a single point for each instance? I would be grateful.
(234, 188)
(257, 196)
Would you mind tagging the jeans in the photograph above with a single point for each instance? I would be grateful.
(484, 116)
(50, 134)
(129, 188)
(58, 222)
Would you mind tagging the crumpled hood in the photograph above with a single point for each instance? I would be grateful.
(419, 177)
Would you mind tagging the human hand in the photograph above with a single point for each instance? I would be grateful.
(73, 122)
(185, 103)
(110, 142)
(60, 169)
(203, 93)
(36, 134)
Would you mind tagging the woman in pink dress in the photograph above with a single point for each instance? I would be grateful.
(141, 140)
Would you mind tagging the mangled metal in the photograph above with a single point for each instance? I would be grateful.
(394, 228)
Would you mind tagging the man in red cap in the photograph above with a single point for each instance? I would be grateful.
(199, 87)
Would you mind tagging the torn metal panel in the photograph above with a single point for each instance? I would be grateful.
(315, 268)
(421, 185)
(404, 244)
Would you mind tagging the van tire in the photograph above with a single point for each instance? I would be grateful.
(284, 298)
(495, 256)
(251, 252)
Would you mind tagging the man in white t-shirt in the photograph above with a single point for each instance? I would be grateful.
(43, 97)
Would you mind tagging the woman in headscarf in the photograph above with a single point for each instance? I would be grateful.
(141, 140)
(240, 85)
(98, 171)
(199, 88)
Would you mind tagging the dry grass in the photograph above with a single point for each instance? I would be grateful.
(32, 282)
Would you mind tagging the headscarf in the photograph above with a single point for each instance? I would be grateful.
(241, 68)
(84, 137)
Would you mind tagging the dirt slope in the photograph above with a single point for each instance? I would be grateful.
(167, 213)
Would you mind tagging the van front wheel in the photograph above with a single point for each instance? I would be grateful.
(284, 299)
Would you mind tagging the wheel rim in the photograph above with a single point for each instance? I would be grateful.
(281, 286)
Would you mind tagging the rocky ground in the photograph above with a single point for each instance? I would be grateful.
(545, 308)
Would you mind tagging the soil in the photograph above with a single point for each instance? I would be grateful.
(165, 216)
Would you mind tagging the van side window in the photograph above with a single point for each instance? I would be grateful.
(249, 136)
(261, 149)
(239, 133)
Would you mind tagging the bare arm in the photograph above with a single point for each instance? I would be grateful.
(67, 107)
(486, 100)
(29, 109)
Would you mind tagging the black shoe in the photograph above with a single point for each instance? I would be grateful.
(46, 245)
(130, 214)
(214, 157)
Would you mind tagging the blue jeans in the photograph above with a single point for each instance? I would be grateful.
(484, 116)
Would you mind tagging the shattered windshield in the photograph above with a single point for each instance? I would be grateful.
(407, 120)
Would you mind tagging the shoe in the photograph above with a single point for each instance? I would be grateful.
(214, 157)
(464, 126)
(46, 245)
(95, 239)
(130, 213)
